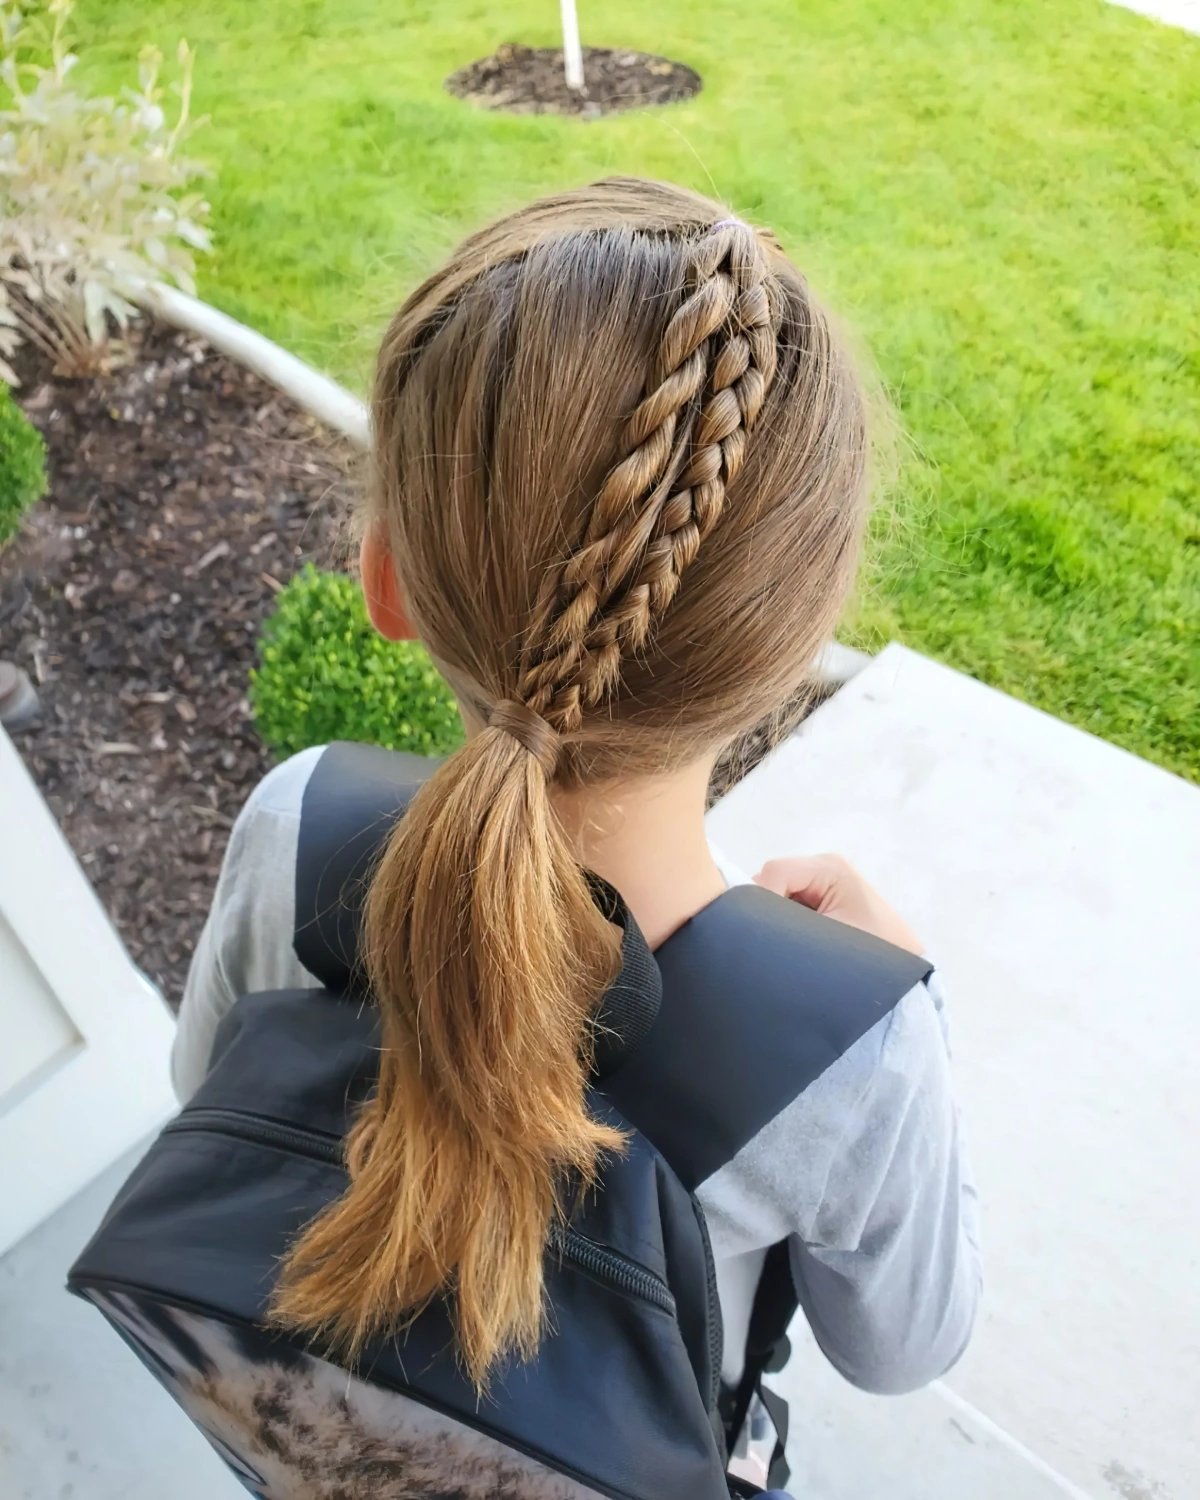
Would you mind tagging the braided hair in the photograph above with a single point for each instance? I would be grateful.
(684, 446)
(619, 460)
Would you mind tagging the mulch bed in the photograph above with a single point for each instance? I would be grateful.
(184, 493)
(531, 81)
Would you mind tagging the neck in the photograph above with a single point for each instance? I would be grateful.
(646, 838)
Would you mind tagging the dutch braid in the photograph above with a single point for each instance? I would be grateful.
(684, 445)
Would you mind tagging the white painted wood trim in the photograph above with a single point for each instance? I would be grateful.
(837, 664)
(111, 1087)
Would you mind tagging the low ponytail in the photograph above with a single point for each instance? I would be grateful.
(487, 955)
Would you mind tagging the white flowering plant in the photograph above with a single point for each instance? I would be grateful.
(96, 199)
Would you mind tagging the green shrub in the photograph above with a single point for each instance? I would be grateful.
(22, 465)
(326, 674)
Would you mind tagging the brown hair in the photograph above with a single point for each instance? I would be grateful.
(620, 456)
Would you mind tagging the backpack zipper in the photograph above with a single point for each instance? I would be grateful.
(716, 1321)
(611, 1266)
(317, 1144)
(568, 1244)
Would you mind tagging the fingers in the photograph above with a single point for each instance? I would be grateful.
(813, 879)
(829, 884)
(774, 875)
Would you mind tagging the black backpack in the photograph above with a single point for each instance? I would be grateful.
(705, 1041)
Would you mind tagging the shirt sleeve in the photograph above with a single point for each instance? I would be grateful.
(246, 943)
(890, 1273)
(866, 1174)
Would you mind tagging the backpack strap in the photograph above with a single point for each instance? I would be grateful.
(350, 805)
(767, 1352)
(759, 997)
(757, 992)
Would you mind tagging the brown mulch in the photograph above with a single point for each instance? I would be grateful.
(531, 81)
(754, 746)
(183, 493)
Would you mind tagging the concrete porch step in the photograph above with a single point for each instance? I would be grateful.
(1056, 880)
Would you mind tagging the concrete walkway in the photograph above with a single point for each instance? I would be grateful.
(80, 1418)
(1182, 13)
(1057, 881)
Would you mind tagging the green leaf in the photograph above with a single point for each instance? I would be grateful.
(22, 465)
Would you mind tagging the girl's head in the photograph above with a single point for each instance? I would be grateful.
(619, 469)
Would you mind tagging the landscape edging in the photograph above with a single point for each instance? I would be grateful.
(329, 402)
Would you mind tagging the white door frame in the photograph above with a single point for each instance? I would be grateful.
(102, 1080)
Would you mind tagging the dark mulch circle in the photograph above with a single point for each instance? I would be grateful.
(183, 493)
(531, 81)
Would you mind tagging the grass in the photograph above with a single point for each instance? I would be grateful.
(1000, 196)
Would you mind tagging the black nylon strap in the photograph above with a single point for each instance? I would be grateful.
(351, 802)
(775, 1305)
(630, 1004)
(778, 1472)
(759, 997)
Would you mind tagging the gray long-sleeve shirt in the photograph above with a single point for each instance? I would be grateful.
(866, 1172)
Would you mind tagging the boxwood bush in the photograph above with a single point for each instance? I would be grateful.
(22, 465)
(325, 674)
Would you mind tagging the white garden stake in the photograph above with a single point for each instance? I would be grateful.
(572, 51)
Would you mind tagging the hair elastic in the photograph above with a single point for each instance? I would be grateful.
(727, 224)
(529, 730)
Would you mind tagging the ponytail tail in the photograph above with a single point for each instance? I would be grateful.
(487, 956)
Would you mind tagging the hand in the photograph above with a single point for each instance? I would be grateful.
(831, 885)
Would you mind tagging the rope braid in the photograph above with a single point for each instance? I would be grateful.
(684, 446)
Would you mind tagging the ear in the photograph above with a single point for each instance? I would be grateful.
(381, 589)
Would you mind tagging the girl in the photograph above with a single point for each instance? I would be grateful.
(618, 488)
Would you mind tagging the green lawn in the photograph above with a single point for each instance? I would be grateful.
(999, 195)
